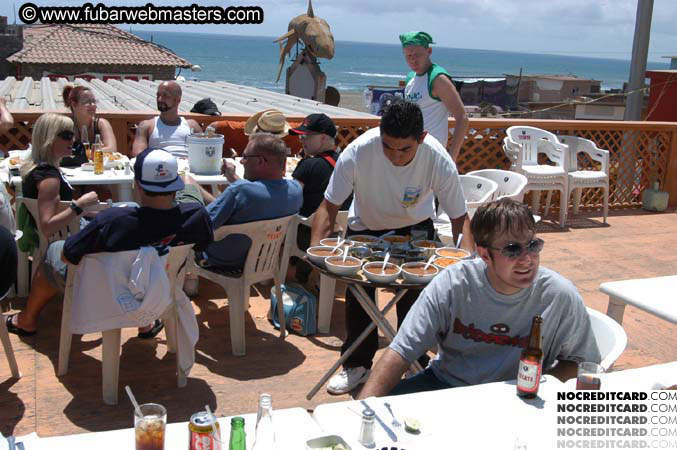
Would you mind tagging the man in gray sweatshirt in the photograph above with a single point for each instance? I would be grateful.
(478, 312)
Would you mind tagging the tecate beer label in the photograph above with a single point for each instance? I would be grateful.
(204, 442)
(528, 376)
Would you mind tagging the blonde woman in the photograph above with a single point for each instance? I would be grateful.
(51, 141)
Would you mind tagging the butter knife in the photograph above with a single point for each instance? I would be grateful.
(391, 434)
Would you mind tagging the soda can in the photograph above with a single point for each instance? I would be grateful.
(201, 434)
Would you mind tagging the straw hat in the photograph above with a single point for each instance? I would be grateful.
(267, 121)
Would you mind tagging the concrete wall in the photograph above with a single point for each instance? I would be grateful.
(11, 41)
(37, 71)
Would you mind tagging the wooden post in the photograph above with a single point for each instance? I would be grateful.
(670, 183)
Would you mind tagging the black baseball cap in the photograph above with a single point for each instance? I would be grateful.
(316, 123)
(206, 106)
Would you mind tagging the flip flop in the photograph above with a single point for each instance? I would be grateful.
(16, 330)
(150, 334)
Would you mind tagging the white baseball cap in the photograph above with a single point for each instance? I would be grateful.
(156, 170)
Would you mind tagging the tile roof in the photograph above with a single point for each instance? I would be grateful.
(91, 44)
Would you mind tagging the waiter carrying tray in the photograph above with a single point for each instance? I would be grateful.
(391, 170)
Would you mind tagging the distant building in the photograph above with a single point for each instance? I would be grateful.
(551, 88)
(82, 51)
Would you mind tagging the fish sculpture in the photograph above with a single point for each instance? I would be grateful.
(313, 31)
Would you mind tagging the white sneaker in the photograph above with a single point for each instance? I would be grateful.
(190, 285)
(347, 380)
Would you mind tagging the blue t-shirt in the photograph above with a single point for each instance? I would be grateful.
(129, 228)
(249, 201)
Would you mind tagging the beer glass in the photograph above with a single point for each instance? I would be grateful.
(589, 376)
(149, 427)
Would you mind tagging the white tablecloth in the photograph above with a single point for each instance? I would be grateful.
(488, 416)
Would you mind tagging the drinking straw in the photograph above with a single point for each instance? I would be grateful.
(428, 263)
(385, 261)
(134, 402)
(209, 411)
(458, 241)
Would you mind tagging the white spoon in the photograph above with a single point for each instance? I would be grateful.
(385, 261)
(430, 260)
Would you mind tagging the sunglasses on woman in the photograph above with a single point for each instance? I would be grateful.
(514, 250)
(66, 135)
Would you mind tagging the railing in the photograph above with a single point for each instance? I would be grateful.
(640, 152)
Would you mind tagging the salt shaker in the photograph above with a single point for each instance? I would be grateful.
(367, 428)
(128, 169)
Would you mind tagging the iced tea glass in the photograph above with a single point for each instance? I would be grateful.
(149, 427)
(589, 376)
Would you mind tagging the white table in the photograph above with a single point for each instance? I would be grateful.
(658, 376)
(657, 296)
(120, 183)
(293, 427)
(487, 416)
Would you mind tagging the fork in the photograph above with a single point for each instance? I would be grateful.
(396, 423)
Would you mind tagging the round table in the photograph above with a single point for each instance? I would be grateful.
(356, 284)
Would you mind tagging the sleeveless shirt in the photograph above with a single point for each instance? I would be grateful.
(170, 138)
(435, 114)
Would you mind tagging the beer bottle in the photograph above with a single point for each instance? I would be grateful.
(237, 434)
(98, 156)
(531, 362)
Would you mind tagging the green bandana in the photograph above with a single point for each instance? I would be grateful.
(416, 38)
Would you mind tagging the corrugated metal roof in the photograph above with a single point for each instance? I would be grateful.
(127, 95)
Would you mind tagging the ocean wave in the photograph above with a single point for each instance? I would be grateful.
(475, 80)
(377, 75)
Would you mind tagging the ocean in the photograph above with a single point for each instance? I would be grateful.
(253, 61)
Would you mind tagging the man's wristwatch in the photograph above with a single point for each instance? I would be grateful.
(76, 209)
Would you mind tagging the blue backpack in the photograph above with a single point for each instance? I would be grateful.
(300, 309)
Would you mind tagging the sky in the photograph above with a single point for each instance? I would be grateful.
(593, 28)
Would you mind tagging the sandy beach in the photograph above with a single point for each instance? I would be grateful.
(353, 100)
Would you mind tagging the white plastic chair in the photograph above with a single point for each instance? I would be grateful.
(522, 145)
(581, 179)
(510, 184)
(7, 344)
(477, 191)
(610, 336)
(263, 263)
(71, 228)
(110, 366)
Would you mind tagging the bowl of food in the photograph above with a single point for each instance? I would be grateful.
(396, 241)
(87, 167)
(364, 239)
(426, 245)
(331, 242)
(318, 253)
(374, 271)
(417, 272)
(348, 266)
(452, 252)
(442, 262)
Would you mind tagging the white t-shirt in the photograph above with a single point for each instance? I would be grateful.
(387, 196)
